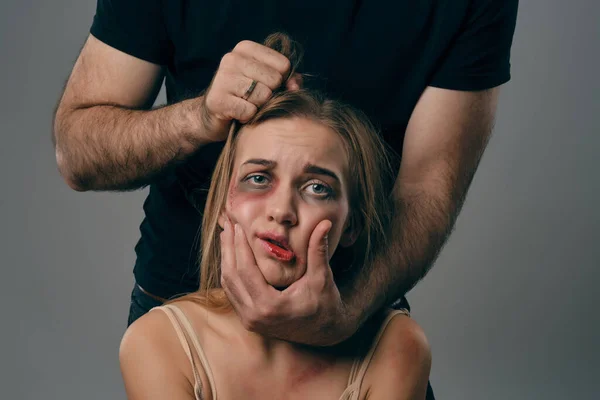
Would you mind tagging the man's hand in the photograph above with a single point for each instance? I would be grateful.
(309, 311)
(106, 136)
(225, 98)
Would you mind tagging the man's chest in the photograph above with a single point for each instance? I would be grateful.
(376, 55)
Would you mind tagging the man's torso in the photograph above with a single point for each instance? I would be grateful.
(376, 55)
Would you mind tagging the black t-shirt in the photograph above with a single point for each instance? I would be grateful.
(377, 55)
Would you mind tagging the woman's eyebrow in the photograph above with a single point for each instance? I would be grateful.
(308, 168)
(315, 169)
(261, 161)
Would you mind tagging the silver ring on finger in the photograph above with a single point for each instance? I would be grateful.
(250, 90)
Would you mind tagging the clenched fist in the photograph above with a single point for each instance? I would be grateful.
(233, 95)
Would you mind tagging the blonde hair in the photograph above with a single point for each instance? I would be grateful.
(369, 177)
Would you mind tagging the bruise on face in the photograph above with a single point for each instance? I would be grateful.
(239, 192)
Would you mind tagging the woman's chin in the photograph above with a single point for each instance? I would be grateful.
(280, 284)
(280, 277)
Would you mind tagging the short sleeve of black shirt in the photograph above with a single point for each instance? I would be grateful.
(135, 27)
(479, 57)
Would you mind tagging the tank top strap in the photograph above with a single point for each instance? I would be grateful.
(360, 366)
(350, 393)
(186, 334)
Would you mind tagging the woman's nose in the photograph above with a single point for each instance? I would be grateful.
(282, 208)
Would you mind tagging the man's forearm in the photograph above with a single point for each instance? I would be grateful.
(444, 143)
(419, 228)
(425, 213)
(107, 147)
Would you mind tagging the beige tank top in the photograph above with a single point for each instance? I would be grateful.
(189, 342)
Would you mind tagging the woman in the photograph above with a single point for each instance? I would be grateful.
(301, 165)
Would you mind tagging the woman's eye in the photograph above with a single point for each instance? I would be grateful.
(320, 189)
(257, 179)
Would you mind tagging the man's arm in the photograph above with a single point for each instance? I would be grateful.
(106, 138)
(445, 139)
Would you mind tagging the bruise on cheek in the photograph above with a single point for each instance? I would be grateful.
(238, 193)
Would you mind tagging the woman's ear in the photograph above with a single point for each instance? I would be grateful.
(350, 234)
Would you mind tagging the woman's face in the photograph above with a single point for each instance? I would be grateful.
(288, 175)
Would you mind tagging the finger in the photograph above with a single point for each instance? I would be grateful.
(227, 253)
(264, 55)
(250, 276)
(239, 109)
(304, 295)
(224, 101)
(259, 95)
(230, 280)
(236, 64)
(295, 82)
(260, 72)
(318, 248)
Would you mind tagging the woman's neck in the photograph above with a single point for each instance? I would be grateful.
(269, 350)
(281, 353)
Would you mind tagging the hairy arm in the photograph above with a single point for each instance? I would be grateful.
(445, 139)
(107, 139)
(105, 136)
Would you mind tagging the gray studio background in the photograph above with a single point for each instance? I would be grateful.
(510, 308)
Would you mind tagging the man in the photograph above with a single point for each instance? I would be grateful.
(426, 72)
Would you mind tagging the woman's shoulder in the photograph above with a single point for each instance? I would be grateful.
(151, 331)
(160, 343)
(157, 325)
(152, 359)
(401, 360)
(160, 325)
(157, 331)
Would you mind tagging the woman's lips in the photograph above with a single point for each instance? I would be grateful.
(278, 252)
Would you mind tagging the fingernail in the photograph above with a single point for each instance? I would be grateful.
(237, 228)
